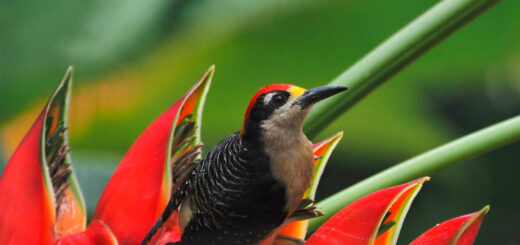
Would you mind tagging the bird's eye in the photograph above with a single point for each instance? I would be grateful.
(278, 99)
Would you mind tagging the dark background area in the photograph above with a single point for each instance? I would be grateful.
(133, 59)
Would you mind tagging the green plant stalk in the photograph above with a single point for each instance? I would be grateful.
(393, 55)
(453, 152)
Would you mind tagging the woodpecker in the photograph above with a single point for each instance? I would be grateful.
(254, 179)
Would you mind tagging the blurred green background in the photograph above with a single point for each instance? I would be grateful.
(133, 59)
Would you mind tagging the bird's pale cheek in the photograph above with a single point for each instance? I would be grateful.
(297, 107)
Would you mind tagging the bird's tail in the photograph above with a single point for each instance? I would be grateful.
(172, 205)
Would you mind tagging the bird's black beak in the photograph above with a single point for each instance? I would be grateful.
(313, 95)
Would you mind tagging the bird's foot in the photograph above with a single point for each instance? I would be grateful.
(306, 210)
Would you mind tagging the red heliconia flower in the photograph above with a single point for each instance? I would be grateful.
(40, 200)
(376, 219)
(142, 184)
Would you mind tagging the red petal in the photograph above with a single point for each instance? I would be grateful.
(27, 213)
(460, 231)
(97, 234)
(140, 187)
(359, 222)
(27, 199)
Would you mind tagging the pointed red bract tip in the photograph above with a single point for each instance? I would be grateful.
(458, 231)
(266, 89)
(30, 210)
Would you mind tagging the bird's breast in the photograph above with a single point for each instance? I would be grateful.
(291, 160)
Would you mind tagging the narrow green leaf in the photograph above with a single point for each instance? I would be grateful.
(393, 55)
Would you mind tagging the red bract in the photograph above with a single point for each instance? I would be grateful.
(29, 209)
(360, 222)
(457, 231)
(141, 185)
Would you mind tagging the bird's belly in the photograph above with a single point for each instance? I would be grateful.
(185, 214)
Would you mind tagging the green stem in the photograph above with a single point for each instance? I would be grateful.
(393, 55)
(460, 149)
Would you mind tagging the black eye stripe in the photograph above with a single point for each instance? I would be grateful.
(265, 105)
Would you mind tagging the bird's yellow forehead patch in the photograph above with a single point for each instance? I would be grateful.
(296, 91)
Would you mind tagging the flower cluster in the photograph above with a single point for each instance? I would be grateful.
(41, 202)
